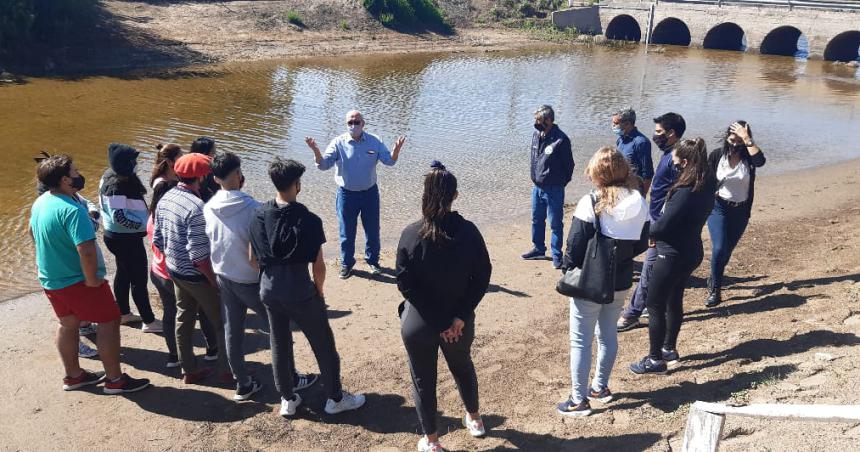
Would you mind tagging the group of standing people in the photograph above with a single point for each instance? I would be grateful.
(217, 252)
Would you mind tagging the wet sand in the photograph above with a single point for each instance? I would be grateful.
(793, 292)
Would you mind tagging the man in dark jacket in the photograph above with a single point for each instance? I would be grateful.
(551, 170)
(285, 239)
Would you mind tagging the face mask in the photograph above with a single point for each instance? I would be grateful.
(660, 140)
(539, 127)
(617, 131)
(242, 182)
(78, 182)
(678, 167)
(355, 129)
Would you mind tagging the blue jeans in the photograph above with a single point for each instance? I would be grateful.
(726, 226)
(588, 318)
(640, 295)
(351, 204)
(548, 201)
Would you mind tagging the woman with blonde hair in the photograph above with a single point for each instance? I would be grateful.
(620, 210)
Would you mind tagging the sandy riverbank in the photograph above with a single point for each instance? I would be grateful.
(794, 292)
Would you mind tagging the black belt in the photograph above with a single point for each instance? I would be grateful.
(731, 203)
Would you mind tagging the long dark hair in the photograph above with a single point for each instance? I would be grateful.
(166, 153)
(158, 192)
(440, 188)
(729, 149)
(696, 171)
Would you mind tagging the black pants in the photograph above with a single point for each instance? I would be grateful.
(132, 272)
(669, 276)
(167, 292)
(422, 347)
(312, 318)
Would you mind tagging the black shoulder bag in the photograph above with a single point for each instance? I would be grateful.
(595, 281)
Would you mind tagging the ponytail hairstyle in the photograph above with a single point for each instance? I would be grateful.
(166, 153)
(610, 173)
(158, 192)
(440, 189)
(696, 171)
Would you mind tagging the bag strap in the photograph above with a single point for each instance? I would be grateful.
(593, 197)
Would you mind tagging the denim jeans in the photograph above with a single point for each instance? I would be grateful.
(351, 204)
(640, 294)
(588, 318)
(726, 225)
(236, 299)
(548, 201)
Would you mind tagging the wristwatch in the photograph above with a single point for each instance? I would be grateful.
(749, 143)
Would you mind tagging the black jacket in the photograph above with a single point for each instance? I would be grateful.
(684, 216)
(752, 161)
(578, 237)
(288, 234)
(446, 279)
(551, 158)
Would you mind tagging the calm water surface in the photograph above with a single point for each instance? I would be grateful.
(472, 112)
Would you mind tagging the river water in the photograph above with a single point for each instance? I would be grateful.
(471, 111)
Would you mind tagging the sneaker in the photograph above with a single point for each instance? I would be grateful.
(644, 314)
(152, 327)
(347, 402)
(288, 407)
(245, 392)
(92, 328)
(604, 396)
(670, 356)
(534, 254)
(86, 378)
(572, 409)
(211, 355)
(475, 426)
(556, 264)
(625, 324)
(648, 366)
(172, 362)
(125, 319)
(375, 269)
(714, 299)
(85, 351)
(345, 272)
(125, 384)
(424, 445)
(197, 376)
(304, 381)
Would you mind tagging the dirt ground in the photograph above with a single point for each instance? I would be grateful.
(787, 333)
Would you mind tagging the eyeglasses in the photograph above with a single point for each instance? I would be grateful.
(353, 123)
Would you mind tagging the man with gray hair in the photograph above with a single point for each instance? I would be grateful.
(551, 170)
(355, 155)
(635, 146)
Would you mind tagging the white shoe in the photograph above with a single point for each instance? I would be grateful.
(152, 327)
(125, 319)
(85, 351)
(475, 426)
(288, 407)
(426, 446)
(347, 402)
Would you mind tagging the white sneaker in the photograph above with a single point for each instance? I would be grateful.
(152, 327)
(427, 446)
(125, 319)
(347, 402)
(475, 426)
(85, 351)
(288, 407)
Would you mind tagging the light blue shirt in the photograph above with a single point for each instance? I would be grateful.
(355, 160)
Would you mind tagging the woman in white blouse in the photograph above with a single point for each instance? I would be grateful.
(734, 166)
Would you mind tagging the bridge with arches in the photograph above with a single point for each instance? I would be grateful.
(831, 33)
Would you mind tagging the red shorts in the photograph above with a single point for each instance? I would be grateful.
(93, 304)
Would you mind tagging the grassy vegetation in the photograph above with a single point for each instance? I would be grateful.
(409, 15)
(523, 9)
(294, 18)
(343, 25)
(26, 23)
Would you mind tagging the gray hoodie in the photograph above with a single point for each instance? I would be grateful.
(228, 217)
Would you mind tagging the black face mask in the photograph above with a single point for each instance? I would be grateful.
(78, 182)
(660, 140)
(241, 182)
(539, 127)
(678, 168)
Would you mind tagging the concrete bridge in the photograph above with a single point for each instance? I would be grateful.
(831, 32)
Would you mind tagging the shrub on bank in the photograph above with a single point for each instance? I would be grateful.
(408, 15)
(42, 22)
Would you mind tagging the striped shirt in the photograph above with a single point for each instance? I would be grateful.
(180, 232)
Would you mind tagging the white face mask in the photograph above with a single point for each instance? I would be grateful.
(355, 130)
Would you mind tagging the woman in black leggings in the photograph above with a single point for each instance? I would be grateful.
(677, 236)
(443, 271)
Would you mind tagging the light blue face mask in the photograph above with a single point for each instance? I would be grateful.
(617, 131)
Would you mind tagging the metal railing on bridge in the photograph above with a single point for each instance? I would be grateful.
(831, 5)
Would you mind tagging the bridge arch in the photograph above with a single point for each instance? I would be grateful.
(782, 41)
(725, 36)
(624, 28)
(843, 47)
(671, 31)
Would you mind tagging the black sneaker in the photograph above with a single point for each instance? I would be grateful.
(245, 392)
(572, 409)
(304, 381)
(375, 269)
(714, 299)
(625, 324)
(648, 366)
(670, 356)
(534, 254)
(345, 272)
(125, 384)
(211, 355)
